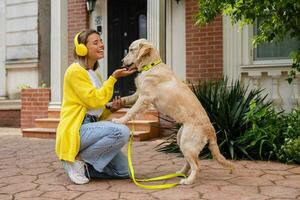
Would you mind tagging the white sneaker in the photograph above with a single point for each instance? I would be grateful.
(76, 171)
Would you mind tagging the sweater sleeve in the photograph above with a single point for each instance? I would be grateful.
(90, 96)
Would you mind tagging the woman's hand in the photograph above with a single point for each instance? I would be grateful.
(117, 103)
(122, 72)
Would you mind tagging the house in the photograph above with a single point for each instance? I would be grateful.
(194, 53)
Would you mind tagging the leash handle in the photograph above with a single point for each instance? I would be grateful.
(152, 187)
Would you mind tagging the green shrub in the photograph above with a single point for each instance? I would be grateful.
(290, 150)
(226, 108)
(263, 136)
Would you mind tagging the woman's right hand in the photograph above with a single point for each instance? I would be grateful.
(122, 72)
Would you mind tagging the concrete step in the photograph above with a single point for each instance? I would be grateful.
(54, 112)
(50, 133)
(143, 135)
(44, 133)
(148, 115)
(142, 125)
(46, 123)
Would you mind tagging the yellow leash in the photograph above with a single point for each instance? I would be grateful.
(152, 187)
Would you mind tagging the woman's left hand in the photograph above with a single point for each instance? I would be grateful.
(117, 103)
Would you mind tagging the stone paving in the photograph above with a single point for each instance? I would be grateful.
(29, 169)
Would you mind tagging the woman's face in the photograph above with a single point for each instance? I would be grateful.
(95, 47)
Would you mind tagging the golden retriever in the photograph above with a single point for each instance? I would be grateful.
(160, 87)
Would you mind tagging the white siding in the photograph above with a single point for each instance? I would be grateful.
(22, 52)
(22, 10)
(21, 44)
(22, 38)
(11, 2)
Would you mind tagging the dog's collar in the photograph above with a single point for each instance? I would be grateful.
(151, 65)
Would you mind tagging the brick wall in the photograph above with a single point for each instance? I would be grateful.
(34, 104)
(204, 55)
(78, 20)
(10, 118)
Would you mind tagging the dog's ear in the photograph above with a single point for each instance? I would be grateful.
(144, 49)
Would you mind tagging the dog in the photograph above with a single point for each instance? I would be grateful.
(158, 86)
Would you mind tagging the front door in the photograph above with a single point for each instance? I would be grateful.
(127, 22)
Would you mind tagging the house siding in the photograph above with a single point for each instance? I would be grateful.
(204, 47)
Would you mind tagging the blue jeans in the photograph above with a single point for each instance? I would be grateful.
(100, 148)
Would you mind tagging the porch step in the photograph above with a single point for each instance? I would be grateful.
(146, 126)
(46, 123)
(148, 115)
(53, 112)
(39, 132)
(50, 133)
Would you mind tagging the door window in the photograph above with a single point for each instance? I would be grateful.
(142, 26)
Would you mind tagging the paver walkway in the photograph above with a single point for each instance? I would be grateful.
(29, 169)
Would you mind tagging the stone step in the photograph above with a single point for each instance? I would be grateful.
(46, 123)
(44, 133)
(142, 125)
(148, 115)
(54, 112)
(138, 125)
(50, 133)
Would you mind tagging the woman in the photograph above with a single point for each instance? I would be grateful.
(83, 140)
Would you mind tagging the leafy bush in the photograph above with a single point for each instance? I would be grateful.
(263, 137)
(290, 150)
(226, 107)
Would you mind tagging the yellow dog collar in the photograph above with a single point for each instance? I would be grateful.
(151, 65)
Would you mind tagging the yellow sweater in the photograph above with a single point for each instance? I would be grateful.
(79, 95)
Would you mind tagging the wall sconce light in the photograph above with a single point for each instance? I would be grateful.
(90, 5)
(177, 1)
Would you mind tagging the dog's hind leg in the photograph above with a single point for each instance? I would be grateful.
(185, 169)
(191, 147)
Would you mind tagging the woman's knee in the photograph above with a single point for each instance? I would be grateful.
(123, 131)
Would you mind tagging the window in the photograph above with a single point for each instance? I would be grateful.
(274, 51)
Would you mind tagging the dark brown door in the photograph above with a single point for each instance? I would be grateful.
(126, 23)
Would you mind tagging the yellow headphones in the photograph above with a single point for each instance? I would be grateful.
(80, 49)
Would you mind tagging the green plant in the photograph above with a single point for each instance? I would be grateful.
(290, 150)
(226, 107)
(280, 19)
(23, 86)
(263, 136)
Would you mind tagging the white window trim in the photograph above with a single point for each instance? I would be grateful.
(247, 35)
(238, 52)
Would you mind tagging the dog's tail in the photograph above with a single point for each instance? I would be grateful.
(214, 149)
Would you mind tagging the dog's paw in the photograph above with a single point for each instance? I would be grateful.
(186, 181)
(118, 120)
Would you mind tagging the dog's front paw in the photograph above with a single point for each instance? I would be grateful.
(118, 120)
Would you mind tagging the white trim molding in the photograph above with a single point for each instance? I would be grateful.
(3, 92)
(271, 75)
(59, 49)
(175, 37)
